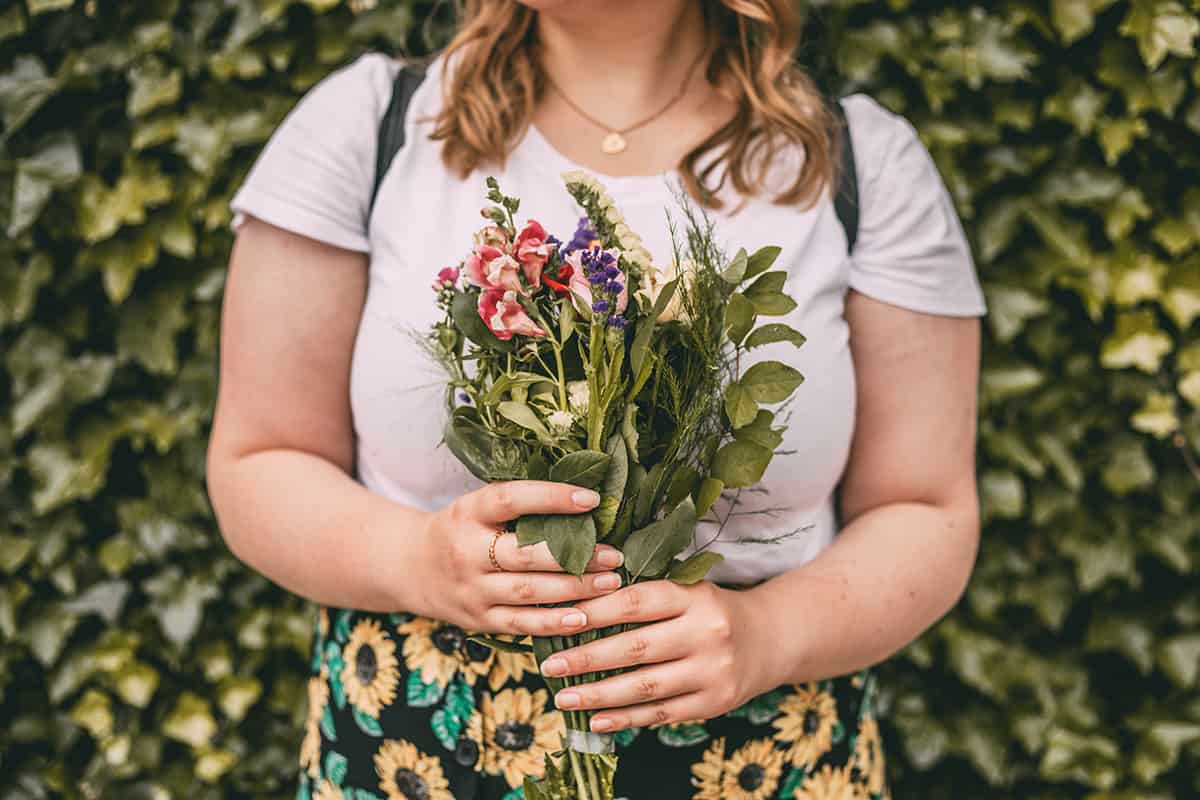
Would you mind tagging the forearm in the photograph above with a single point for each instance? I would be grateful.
(888, 576)
(301, 521)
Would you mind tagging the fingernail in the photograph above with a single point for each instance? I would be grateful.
(610, 557)
(554, 666)
(574, 620)
(566, 699)
(585, 498)
(607, 581)
(600, 725)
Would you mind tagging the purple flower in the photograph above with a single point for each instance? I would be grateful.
(617, 321)
(584, 238)
(463, 397)
(611, 271)
(600, 306)
(613, 287)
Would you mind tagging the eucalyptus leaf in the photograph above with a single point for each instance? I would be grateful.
(771, 381)
(736, 271)
(740, 463)
(740, 405)
(774, 332)
(761, 260)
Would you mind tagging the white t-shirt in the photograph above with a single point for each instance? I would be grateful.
(315, 176)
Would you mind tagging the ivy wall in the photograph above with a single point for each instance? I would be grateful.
(139, 659)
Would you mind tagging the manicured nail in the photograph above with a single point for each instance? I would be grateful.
(608, 581)
(566, 700)
(585, 498)
(574, 620)
(600, 725)
(610, 557)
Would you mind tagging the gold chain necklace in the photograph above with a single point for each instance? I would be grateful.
(614, 141)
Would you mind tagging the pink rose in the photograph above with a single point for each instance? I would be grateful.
(446, 278)
(491, 268)
(532, 250)
(504, 316)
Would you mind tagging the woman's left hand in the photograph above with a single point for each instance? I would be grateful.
(698, 659)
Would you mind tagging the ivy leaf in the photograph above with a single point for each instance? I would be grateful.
(1137, 342)
(1161, 27)
(1074, 19)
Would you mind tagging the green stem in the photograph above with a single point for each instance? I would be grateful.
(562, 378)
(580, 787)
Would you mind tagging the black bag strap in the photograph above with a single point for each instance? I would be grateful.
(845, 200)
(391, 126)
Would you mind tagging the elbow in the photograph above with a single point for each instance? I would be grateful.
(963, 535)
(219, 464)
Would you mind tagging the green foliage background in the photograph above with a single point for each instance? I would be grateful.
(139, 659)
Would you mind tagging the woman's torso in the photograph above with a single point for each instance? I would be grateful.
(423, 220)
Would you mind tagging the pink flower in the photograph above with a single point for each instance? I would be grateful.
(446, 278)
(532, 250)
(504, 316)
(490, 268)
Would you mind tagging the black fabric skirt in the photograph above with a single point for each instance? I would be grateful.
(406, 708)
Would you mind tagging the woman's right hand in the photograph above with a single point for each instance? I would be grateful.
(462, 586)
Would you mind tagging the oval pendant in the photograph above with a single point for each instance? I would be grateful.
(613, 143)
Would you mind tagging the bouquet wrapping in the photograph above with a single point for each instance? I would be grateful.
(583, 362)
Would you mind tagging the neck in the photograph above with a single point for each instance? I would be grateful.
(625, 57)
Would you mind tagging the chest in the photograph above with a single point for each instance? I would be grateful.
(420, 226)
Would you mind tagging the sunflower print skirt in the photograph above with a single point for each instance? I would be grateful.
(402, 707)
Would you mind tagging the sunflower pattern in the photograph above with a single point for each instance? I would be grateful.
(402, 707)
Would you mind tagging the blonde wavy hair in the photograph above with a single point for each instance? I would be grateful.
(497, 82)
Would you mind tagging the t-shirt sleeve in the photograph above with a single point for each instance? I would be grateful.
(911, 250)
(315, 174)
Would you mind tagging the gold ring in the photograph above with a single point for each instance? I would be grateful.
(492, 550)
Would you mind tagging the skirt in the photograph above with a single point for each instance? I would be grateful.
(404, 707)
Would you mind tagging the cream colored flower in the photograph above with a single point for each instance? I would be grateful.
(654, 279)
(560, 421)
(578, 396)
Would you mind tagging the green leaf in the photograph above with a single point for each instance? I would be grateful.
(706, 494)
(648, 551)
(326, 724)
(1161, 27)
(761, 261)
(760, 431)
(769, 283)
(770, 382)
(524, 416)
(740, 463)
(471, 444)
(739, 405)
(736, 271)
(739, 317)
(336, 765)
(694, 568)
(465, 312)
(367, 724)
(641, 340)
(774, 332)
(419, 694)
(685, 734)
(612, 490)
(449, 721)
(190, 721)
(1074, 19)
(571, 538)
(772, 304)
(1136, 342)
(582, 468)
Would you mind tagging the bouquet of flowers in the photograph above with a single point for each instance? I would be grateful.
(584, 363)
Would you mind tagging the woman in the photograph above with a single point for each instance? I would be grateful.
(325, 468)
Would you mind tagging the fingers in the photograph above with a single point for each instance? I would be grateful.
(682, 708)
(649, 644)
(537, 557)
(534, 621)
(641, 602)
(533, 588)
(645, 686)
(498, 503)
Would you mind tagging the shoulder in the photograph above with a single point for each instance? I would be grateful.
(880, 137)
(360, 89)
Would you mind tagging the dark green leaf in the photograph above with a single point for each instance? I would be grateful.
(761, 260)
(581, 468)
(571, 538)
(648, 552)
(465, 311)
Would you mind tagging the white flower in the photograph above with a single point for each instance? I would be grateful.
(655, 279)
(561, 421)
(578, 396)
